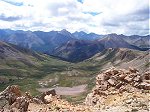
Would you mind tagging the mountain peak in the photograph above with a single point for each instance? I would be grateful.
(112, 34)
(64, 31)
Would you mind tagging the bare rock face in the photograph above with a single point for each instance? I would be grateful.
(16, 102)
(21, 104)
(11, 89)
(115, 82)
(11, 93)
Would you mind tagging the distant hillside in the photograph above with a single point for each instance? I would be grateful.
(140, 41)
(114, 41)
(121, 58)
(143, 42)
(76, 51)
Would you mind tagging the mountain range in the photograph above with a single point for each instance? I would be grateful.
(73, 47)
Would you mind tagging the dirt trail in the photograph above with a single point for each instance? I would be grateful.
(75, 90)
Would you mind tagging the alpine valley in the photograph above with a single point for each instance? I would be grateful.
(67, 62)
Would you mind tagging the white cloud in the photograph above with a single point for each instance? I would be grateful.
(99, 16)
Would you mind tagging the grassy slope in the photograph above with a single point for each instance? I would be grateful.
(28, 76)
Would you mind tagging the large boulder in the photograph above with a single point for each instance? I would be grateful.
(46, 94)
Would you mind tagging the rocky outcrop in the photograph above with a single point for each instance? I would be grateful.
(117, 83)
(21, 104)
(120, 80)
(14, 98)
(16, 102)
(10, 94)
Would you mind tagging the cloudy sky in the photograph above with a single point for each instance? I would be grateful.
(100, 16)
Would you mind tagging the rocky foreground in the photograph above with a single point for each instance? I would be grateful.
(116, 90)
(119, 90)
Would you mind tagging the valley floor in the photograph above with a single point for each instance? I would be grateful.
(75, 90)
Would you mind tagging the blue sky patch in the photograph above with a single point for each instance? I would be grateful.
(13, 3)
(81, 1)
(92, 13)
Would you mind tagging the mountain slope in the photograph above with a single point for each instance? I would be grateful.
(78, 50)
(143, 42)
(122, 58)
(44, 42)
(84, 36)
(25, 67)
(11, 52)
(140, 41)
(25, 39)
(53, 39)
(115, 41)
